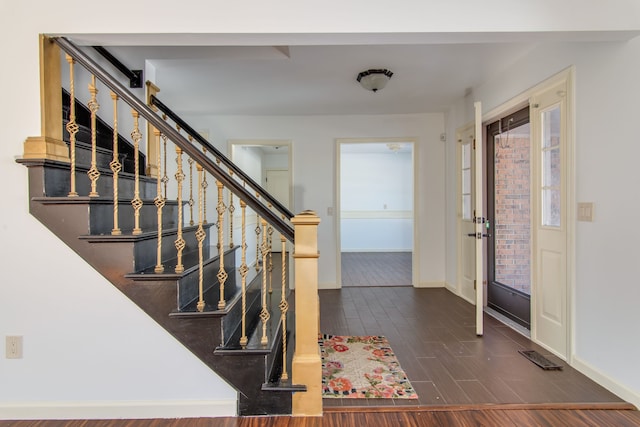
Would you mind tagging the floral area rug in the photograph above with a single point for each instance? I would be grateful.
(362, 367)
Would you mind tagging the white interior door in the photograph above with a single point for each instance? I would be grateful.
(550, 193)
(479, 219)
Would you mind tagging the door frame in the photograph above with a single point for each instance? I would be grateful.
(512, 105)
(268, 143)
(415, 267)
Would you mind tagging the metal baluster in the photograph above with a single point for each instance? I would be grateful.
(222, 274)
(115, 166)
(284, 308)
(191, 201)
(137, 201)
(270, 263)
(72, 128)
(205, 184)
(179, 243)
(200, 236)
(264, 313)
(243, 273)
(159, 200)
(165, 178)
(232, 209)
(93, 105)
(258, 231)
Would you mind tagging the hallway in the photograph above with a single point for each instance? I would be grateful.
(433, 335)
(376, 268)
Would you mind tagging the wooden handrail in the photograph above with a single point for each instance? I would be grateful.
(201, 158)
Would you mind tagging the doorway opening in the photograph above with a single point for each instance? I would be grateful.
(376, 198)
(268, 162)
(509, 217)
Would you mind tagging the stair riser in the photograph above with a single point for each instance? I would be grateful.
(188, 284)
(232, 324)
(145, 251)
(252, 400)
(56, 183)
(101, 218)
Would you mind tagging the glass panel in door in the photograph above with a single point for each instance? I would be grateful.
(509, 217)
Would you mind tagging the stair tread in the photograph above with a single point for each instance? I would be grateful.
(233, 295)
(127, 237)
(105, 200)
(190, 262)
(273, 332)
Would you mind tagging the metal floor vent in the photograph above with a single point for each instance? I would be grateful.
(540, 360)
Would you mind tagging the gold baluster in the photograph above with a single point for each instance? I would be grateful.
(205, 184)
(136, 136)
(72, 128)
(243, 273)
(258, 231)
(200, 235)
(93, 105)
(222, 274)
(115, 166)
(179, 243)
(232, 209)
(159, 200)
(270, 263)
(264, 313)
(165, 178)
(191, 201)
(284, 308)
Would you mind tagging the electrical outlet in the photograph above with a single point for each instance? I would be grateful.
(14, 347)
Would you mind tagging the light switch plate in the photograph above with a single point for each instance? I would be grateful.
(13, 347)
(585, 211)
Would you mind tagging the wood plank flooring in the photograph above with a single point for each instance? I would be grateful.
(376, 268)
(432, 332)
(574, 418)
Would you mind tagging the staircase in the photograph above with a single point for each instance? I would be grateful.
(201, 290)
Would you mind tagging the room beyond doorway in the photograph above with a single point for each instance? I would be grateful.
(375, 212)
(376, 269)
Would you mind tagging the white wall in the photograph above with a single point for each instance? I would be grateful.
(314, 175)
(376, 201)
(605, 292)
(604, 143)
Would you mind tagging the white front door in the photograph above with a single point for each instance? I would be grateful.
(466, 225)
(479, 218)
(550, 222)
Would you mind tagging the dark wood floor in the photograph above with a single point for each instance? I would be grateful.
(551, 418)
(376, 269)
(432, 332)
(462, 380)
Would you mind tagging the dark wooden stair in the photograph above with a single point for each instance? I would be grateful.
(128, 262)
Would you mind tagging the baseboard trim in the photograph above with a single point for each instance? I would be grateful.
(118, 410)
(611, 406)
(451, 287)
(430, 285)
(606, 381)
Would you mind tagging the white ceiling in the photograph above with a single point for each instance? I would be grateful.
(320, 79)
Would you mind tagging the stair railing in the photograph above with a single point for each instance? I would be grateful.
(271, 215)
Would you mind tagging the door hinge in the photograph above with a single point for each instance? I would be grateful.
(474, 143)
(474, 284)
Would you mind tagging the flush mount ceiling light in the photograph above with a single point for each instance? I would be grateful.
(394, 146)
(374, 80)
